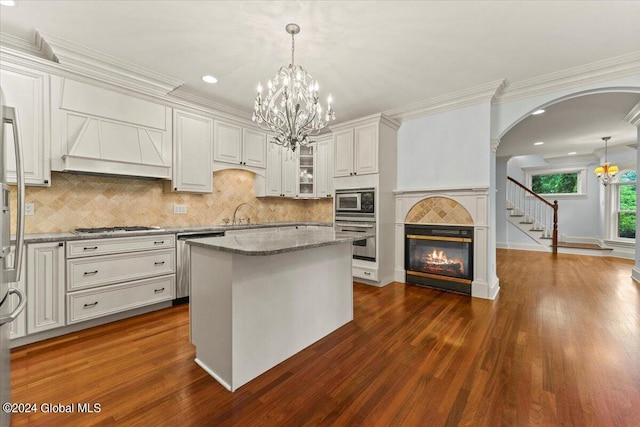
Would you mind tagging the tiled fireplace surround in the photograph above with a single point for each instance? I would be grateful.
(467, 206)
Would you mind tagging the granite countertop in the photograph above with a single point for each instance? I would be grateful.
(277, 242)
(63, 237)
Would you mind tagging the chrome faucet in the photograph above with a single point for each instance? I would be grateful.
(233, 222)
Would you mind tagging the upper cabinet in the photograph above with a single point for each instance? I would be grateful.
(28, 92)
(102, 131)
(307, 171)
(359, 146)
(239, 146)
(192, 148)
(281, 174)
(324, 167)
(356, 151)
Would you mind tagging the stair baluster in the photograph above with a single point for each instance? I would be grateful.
(534, 209)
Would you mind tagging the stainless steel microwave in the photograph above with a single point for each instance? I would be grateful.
(359, 201)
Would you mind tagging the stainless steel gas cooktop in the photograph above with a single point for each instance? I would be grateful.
(110, 230)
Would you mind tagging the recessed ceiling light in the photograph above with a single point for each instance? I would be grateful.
(535, 113)
(571, 153)
(7, 3)
(209, 79)
(538, 143)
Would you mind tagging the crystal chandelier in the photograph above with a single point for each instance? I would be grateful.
(606, 172)
(291, 107)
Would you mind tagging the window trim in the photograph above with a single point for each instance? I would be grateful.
(581, 193)
(615, 203)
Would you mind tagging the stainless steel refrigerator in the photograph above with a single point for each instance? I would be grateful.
(10, 271)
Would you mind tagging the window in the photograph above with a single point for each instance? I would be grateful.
(566, 183)
(556, 183)
(624, 214)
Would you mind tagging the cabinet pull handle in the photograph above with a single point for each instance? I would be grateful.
(90, 248)
(161, 242)
(159, 263)
(157, 291)
(367, 273)
(93, 304)
(90, 273)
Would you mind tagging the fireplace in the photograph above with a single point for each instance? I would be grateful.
(439, 256)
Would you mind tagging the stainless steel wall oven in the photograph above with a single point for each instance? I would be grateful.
(355, 212)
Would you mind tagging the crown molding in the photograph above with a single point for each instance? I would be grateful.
(633, 116)
(100, 66)
(582, 160)
(38, 56)
(33, 47)
(197, 103)
(373, 118)
(608, 69)
(471, 96)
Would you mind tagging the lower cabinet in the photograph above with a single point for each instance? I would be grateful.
(105, 300)
(111, 275)
(70, 282)
(45, 286)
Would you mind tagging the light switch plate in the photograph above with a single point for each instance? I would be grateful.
(179, 209)
(29, 209)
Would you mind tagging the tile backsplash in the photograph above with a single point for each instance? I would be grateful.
(75, 201)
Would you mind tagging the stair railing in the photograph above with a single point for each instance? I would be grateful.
(535, 210)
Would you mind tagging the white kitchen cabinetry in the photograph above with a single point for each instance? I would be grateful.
(324, 168)
(365, 156)
(45, 286)
(18, 328)
(281, 175)
(192, 150)
(111, 275)
(254, 148)
(28, 92)
(98, 130)
(356, 151)
(239, 146)
(306, 182)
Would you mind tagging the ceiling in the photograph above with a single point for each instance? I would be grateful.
(373, 56)
(576, 125)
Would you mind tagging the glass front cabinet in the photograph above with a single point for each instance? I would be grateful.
(306, 171)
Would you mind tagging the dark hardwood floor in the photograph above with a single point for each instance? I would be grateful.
(560, 346)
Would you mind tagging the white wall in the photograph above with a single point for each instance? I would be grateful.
(445, 150)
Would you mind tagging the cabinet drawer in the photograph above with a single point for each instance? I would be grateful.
(103, 270)
(109, 245)
(89, 304)
(365, 273)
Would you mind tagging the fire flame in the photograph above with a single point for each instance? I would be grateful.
(439, 256)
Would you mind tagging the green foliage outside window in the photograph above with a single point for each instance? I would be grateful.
(557, 183)
(627, 202)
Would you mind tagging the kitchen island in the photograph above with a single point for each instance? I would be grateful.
(258, 299)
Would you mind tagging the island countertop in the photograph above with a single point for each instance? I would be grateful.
(271, 243)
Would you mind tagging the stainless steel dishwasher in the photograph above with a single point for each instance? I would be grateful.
(183, 276)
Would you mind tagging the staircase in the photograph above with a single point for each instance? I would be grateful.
(532, 214)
